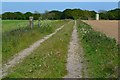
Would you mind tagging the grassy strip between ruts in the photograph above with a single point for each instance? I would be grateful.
(18, 39)
(100, 51)
(47, 61)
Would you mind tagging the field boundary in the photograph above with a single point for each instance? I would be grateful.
(107, 27)
(100, 52)
(22, 54)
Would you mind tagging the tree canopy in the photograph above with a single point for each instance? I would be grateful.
(110, 15)
(66, 14)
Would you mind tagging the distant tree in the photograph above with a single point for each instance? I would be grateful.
(55, 14)
(0, 16)
(78, 14)
(114, 14)
(111, 14)
(48, 15)
(36, 15)
(66, 14)
(27, 15)
(19, 16)
(8, 15)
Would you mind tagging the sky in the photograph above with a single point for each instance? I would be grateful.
(43, 6)
(60, 0)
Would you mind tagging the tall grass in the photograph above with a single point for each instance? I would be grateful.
(8, 25)
(48, 60)
(100, 51)
(17, 39)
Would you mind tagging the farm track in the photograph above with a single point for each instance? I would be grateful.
(75, 52)
(24, 53)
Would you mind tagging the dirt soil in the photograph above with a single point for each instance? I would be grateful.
(74, 65)
(109, 27)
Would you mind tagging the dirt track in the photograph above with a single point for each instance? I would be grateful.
(109, 27)
(75, 52)
(24, 53)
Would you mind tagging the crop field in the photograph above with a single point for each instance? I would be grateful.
(109, 27)
(50, 44)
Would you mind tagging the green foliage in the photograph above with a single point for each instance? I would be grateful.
(52, 15)
(78, 14)
(100, 51)
(66, 14)
(111, 15)
(19, 16)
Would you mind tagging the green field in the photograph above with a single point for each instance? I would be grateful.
(8, 25)
(15, 40)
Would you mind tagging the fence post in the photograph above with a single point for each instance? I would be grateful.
(31, 23)
(39, 24)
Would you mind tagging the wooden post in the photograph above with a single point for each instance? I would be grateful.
(39, 24)
(31, 23)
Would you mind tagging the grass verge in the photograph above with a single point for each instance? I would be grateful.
(48, 60)
(100, 51)
(18, 39)
(8, 25)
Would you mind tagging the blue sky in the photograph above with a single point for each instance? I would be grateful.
(42, 6)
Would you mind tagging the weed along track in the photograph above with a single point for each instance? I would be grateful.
(100, 52)
(20, 38)
(48, 60)
(74, 65)
(24, 53)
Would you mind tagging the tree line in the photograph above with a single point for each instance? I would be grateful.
(66, 14)
(110, 15)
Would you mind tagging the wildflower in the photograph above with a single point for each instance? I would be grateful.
(30, 70)
(96, 50)
(39, 65)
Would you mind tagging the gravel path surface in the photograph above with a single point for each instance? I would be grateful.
(74, 61)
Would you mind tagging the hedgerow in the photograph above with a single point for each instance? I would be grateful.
(100, 52)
